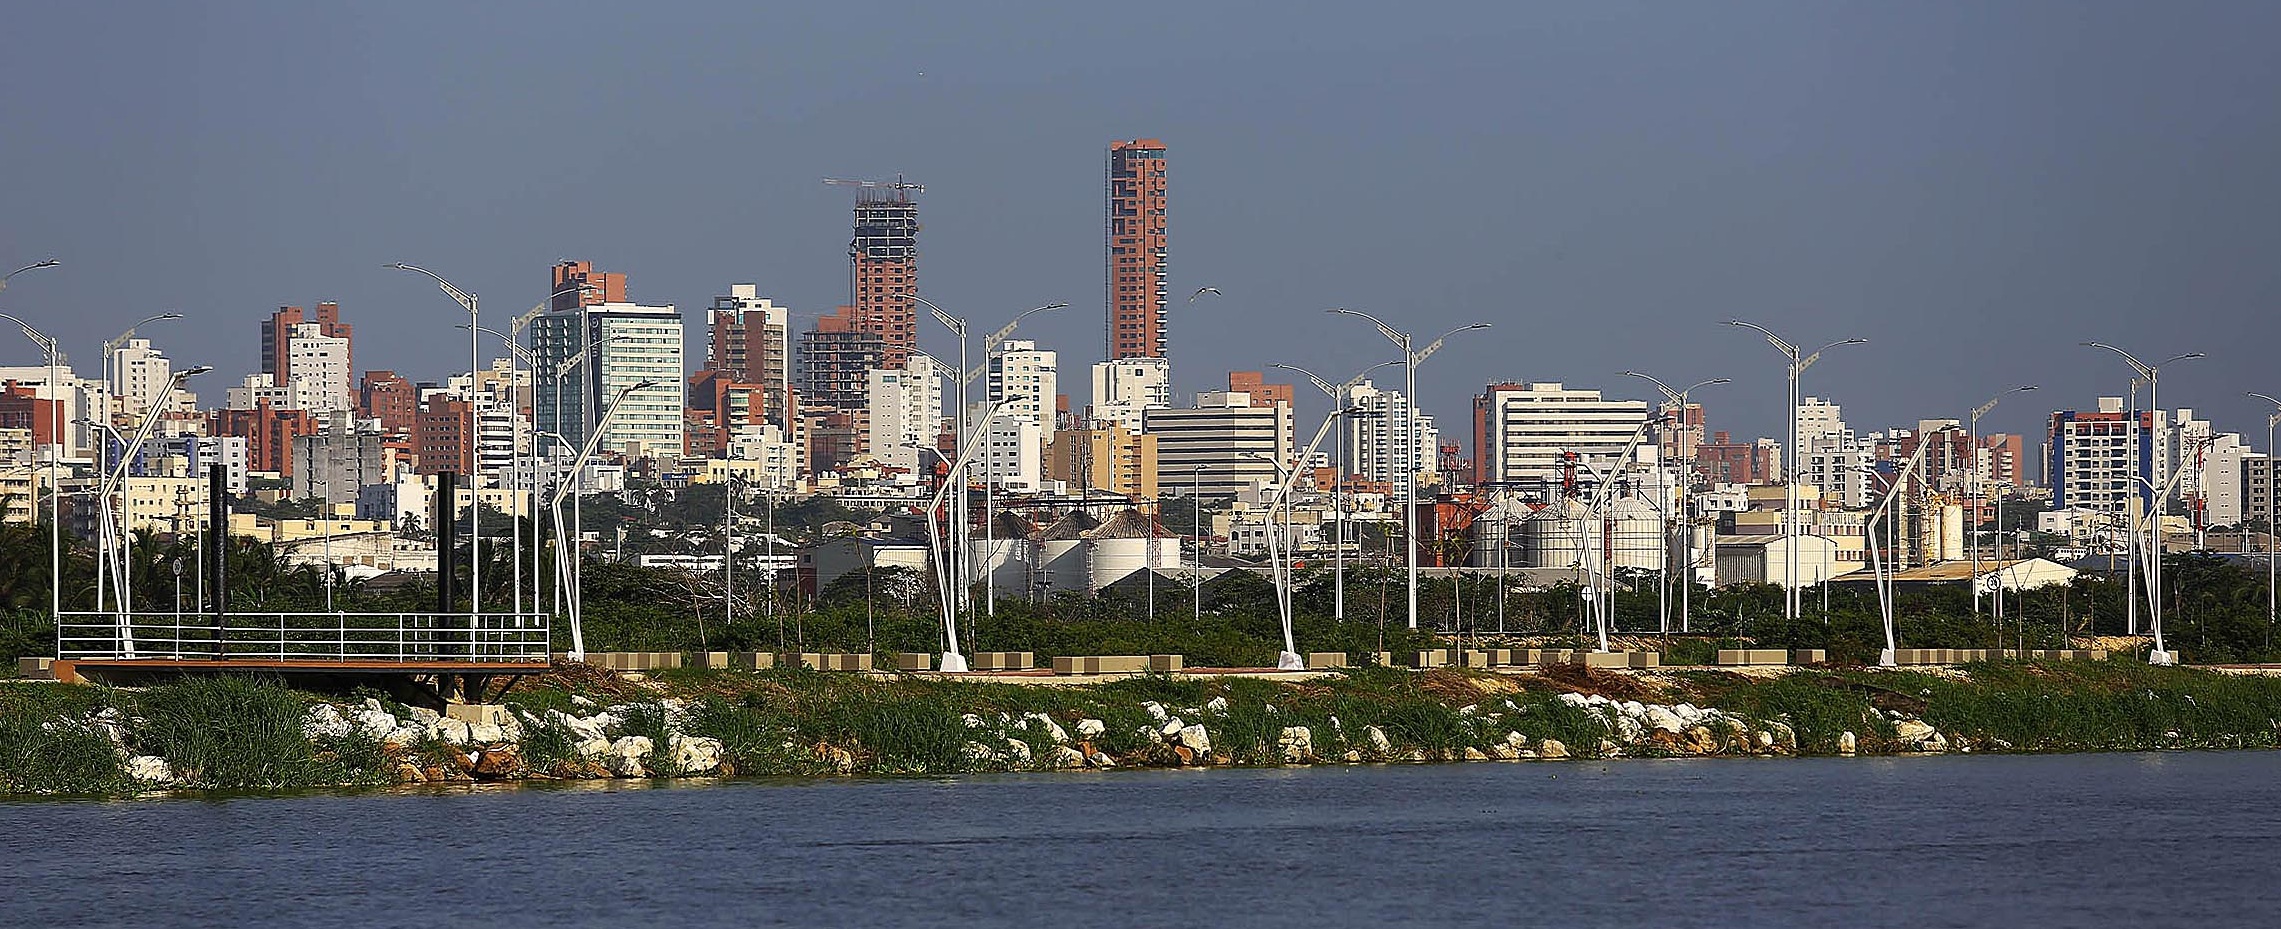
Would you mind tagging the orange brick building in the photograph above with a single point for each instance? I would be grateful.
(1135, 259)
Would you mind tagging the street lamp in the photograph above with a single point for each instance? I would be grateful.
(2272, 419)
(1411, 358)
(2160, 500)
(1798, 363)
(1338, 477)
(1973, 476)
(1279, 565)
(1686, 483)
(562, 557)
(474, 435)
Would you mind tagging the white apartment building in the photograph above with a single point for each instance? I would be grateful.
(201, 451)
(76, 396)
(2094, 460)
(643, 344)
(906, 409)
(779, 457)
(138, 375)
(1210, 450)
(1522, 429)
(732, 320)
(1125, 389)
(1013, 456)
(1375, 436)
(319, 366)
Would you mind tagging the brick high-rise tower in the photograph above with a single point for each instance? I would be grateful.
(1135, 250)
(883, 261)
(277, 336)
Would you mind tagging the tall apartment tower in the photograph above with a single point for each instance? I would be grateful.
(277, 336)
(577, 284)
(748, 344)
(1134, 253)
(632, 343)
(883, 263)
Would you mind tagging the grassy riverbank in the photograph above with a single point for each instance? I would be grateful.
(580, 722)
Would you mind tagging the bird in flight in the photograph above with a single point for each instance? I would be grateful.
(1200, 291)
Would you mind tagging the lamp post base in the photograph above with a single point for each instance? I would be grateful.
(953, 662)
(2159, 657)
(1885, 658)
(1287, 661)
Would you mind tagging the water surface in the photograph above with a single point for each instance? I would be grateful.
(2172, 839)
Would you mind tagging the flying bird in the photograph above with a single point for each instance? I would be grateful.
(1200, 291)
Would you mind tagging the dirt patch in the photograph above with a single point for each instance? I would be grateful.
(1614, 685)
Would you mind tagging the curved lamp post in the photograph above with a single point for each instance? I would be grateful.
(1975, 493)
(563, 561)
(1686, 484)
(1411, 358)
(1338, 475)
(2160, 487)
(1798, 361)
(47, 346)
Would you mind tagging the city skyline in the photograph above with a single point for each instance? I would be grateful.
(1958, 232)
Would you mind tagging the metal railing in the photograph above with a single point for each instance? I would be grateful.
(385, 637)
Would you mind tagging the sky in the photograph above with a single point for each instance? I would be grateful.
(1975, 188)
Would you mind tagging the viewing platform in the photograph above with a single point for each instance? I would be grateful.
(449, 651)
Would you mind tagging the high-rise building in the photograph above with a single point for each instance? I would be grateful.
(443, 436)
(1255, 384)
(1125, 388)
(1725, 461)
(269, 432)
(1013, 452)
(748, 342)
(883, 271)
(1376, 433)
(388, 397)
(1135, 246)
(577, 284)
(277, 335)
(1214, 449)
(631, 344)
(317, 368)
(1520, 430)
(906, 411)
(139, 373)
(1105, 459)
(835, 361)
(2096, 458)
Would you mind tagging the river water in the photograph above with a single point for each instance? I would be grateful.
(2175, 839)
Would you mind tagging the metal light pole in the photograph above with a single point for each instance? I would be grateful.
(2271, 420)
(1196, 527)
(1338, 474)
(562, 554)
(2161, 487)
(474, 436)
(1798, 363)
(1974, 491)
(1686, 484)
(55, 454)
(1411, 358)
(126, 504)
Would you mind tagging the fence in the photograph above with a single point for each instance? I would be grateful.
(317, 637)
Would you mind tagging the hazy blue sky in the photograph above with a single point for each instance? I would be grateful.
(1975, 187)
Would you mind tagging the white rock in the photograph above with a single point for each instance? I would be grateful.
(1764, 740)
(1196, 740)
(1596, 700)
(1663, 720)
(695, 754)
(1218, 706)
(373, 704)
(1171, 727)
(971, 721)
(1375, 738)
(1846, 743)
(1552, 748)
(581, 702)
(1297, 742)
(1504, 752)
(449, 730)
(1628, 729)
(1468, 710)
(1632, 708)
(423, 716)
(1149, 733)
(1351, 756)
(625, 756)
(1516, 740)
(1090, 728)
(1052, 729)
(1155, 710)
(1575, 700)
(1913, 733)
(404, 735)
(1783, 734)
(979, 753)
(324, 721)
(485, 733)
(375, 722)
(1473, 754)
(593, 748)
(1018, 750)
(1063, 756)
(149, 770)
(1101, 760)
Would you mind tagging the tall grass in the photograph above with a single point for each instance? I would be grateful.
(230, 731)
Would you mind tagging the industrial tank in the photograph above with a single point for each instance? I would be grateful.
(1635, 534)
(1557, 536)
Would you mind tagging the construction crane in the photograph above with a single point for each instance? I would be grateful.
(902, 188)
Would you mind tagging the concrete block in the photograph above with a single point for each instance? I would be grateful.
(1069, 664)
(1433, 658)
(2100, 654)
(1645, 659)
(1124, 664)
(1473, 658)
(752, 661)
(713, 661)
(1731, 656)
(661, 661)
(1384, 659)
(38, 669)
(1166, 663)
(1607, 660)
(914, 661)
(1326, 659)
(1500, 657)
(477, 713)
(1809, 656)
(810, 660)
